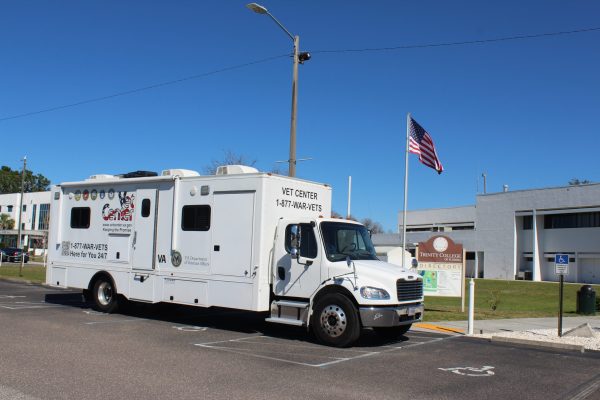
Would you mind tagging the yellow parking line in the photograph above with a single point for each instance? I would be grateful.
(438, 328)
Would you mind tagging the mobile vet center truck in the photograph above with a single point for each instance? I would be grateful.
(239, 239)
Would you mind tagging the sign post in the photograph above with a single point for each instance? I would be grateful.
(561, 268)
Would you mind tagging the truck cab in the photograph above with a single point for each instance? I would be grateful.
(326, 276)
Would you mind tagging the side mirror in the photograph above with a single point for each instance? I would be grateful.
(295, 241)
(414, 263)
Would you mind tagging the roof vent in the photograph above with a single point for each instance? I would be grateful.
(100, 177)
(179, 172)
(235, 169)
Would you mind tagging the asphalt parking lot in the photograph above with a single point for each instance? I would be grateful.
(53, 346)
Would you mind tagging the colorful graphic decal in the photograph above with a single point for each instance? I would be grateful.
(111, 194)
(94, 194)
(78, 195)
(86, 195)
(125, 210)
(102, 194)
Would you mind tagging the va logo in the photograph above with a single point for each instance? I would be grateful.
(175, 258)
(162, 259)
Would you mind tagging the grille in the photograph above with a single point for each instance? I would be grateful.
(409, 290)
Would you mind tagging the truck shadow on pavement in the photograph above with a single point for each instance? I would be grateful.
(238, 321)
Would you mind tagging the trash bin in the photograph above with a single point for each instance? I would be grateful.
(586, 300)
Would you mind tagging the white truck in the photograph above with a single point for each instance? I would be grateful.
(239, 239)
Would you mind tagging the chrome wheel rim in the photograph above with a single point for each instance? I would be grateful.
(333, 320)
(105, 293)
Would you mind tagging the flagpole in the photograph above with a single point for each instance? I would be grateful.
(405, 191)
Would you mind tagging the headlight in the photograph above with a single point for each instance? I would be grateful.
(372, 293)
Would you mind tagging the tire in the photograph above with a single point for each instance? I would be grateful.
(393, 332)
(335, 321)
(104, 295)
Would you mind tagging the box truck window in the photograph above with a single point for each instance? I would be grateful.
(308, 242)
(195, 218)
(80, 217)
(145, 208)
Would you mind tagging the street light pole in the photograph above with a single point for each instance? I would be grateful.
(19, 243)
(292, 160)
(298, 59)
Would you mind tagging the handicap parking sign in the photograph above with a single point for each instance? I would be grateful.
(561, 264)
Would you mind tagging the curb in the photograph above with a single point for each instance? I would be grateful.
(438, 328)
(19, 280)
(537, 343)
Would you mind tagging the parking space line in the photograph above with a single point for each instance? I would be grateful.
(248, 352)
(115, 321)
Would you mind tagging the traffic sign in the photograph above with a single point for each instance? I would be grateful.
(561, 264)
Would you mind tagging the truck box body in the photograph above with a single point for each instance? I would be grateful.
(197, 240)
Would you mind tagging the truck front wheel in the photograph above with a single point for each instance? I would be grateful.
(105, 295)
(335, 321)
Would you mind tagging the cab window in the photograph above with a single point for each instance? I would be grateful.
(308, 242)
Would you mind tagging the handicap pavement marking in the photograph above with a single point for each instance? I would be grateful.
(486, 370)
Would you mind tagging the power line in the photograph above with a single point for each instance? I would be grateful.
(421, 46)
(239, 66)
(142, 89)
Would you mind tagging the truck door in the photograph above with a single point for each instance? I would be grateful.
(145, 229)
(296, 277)
(232, 233)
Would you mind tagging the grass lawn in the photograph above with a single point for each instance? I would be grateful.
(513, 299)
(34, 273)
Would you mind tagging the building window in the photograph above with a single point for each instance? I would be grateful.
(527, 222)
(44, 217)
(33, 217)
(572, 220)
(9, 208)
(24, 207)
(80, 217)
(195, 218)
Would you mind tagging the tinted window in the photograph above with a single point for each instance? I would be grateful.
(80, 217)
(195, 218)
(145, 208)
(308, 242)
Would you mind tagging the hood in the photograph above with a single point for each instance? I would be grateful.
(380, 269)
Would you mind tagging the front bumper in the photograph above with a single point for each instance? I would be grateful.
(391, 316)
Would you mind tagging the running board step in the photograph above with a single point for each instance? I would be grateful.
(285, 321)
(289, 312)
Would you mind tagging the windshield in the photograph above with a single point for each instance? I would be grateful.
(343, 240)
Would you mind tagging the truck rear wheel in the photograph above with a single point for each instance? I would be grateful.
(393, 332)
(105, 295)
(335, 321)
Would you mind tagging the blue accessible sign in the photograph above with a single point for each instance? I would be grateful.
(561, 264)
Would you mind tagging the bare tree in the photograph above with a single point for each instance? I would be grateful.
(576, 181)
(229, 158)
(373, 226)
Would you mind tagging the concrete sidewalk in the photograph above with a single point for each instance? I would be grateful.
(513, 324)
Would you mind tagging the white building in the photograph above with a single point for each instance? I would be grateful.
(33, 220)
(516, 234)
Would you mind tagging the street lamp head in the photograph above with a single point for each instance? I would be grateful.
(303, 56)
(257, 8)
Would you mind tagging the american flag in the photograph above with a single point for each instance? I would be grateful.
(421, 143)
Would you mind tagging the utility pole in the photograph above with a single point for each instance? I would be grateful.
(19, 243)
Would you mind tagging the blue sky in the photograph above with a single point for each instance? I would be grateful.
(525, 112)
